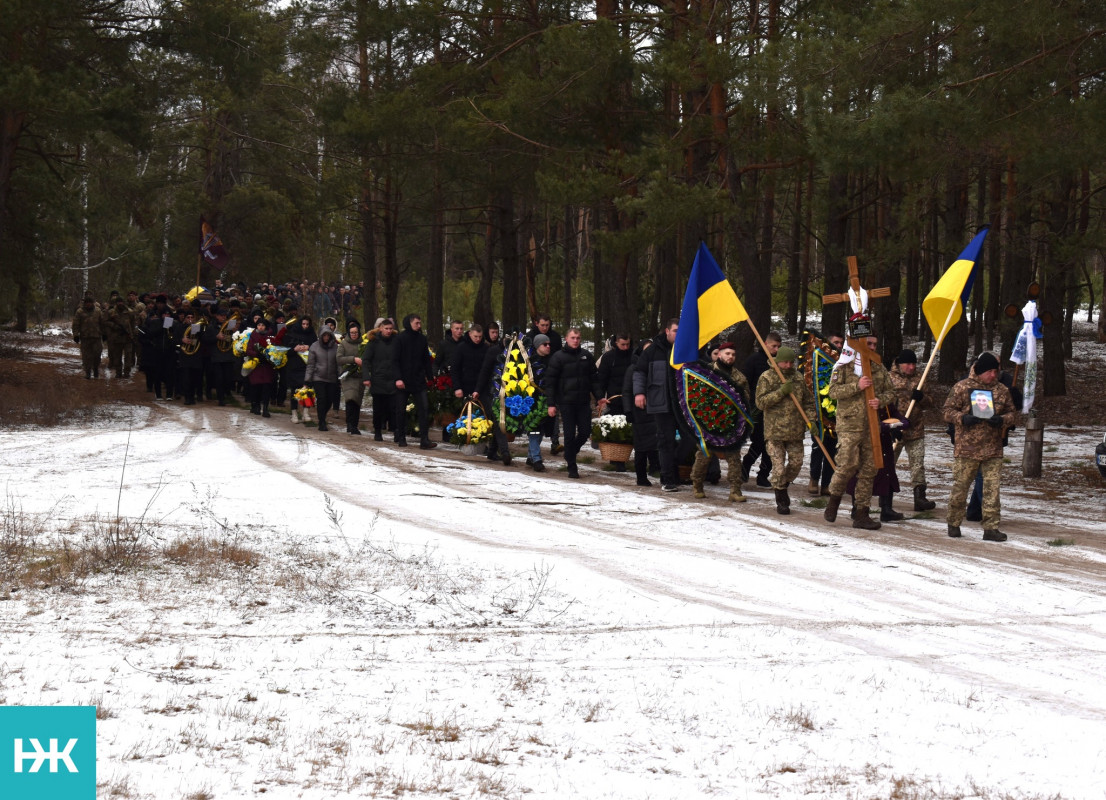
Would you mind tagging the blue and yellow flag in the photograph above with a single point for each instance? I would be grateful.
(946, 302)
(710, 306)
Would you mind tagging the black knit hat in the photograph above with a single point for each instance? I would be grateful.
(907, 357)
(985, 363)
(352, 323)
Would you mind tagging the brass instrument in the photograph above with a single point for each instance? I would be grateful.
(226, 343)
(190, 342)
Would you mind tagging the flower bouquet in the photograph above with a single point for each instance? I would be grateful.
(305, 396)
(239, 341)
(444, 406)
(469, 432)
(613, 434)
(276, 355)
(351, 368)
(519, 403)
(248, 366)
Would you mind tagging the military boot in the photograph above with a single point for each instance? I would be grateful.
(994, 535)
(886, 512)
(813, 488)
(954, 532)
(783, 501)
(697, 486)
(832, 504)
(863, 521)
(736, 496)
(921, 502)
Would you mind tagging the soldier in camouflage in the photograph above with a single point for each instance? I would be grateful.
(727, 357)
(120, 332)
(905, 377)
(88, 332)
(854, 448)
(784, 425)
(978, 442)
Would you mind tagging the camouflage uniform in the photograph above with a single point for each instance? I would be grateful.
(913, 437)
(733, 458)
(978, 448)
(784, 426)
(130, 350)
(854, 448)
(88, 332)
(120, 333)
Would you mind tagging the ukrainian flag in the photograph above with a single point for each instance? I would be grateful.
(946, 302)
(710, 306)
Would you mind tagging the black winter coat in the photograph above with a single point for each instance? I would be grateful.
(411, 360)
(468, 358)
(378, 366)
(485, 380)
(652, 375)
(645, 428)
(443, 356)
(296, 367)
(612, 369)
(570, 376)
(555, 341)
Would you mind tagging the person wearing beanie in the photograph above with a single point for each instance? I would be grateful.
(784, 426)
(539, 340)
(906, 380)
(981, 409)
(854, 438)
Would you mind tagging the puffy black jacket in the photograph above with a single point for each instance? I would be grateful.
(652, 375)
(570, 376)
(612, 369)
(555, 341)
(468, 358)
(645, 427)
(412, 361)
(487, 371)
(378, 365)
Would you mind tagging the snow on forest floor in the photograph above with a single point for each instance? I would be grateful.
(260, 608)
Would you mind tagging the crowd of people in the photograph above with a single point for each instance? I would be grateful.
(284, 345)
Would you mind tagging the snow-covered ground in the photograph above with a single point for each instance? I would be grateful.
(320, 616)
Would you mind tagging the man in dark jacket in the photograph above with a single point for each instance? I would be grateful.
(378, 374)
(612, 369)
(570, 381)
(443, 358)
(543, 325)
(652, 375)
(755, 366)
(498, 446)
(468, 358)
(613, 366)
(413, 368)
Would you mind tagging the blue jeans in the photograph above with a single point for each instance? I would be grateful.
(534, 447)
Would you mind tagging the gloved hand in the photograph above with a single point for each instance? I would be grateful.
(996, 421)
(788, 387)
(916, 395)
(968, 420)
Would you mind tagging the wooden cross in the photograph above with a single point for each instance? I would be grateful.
(860, 344)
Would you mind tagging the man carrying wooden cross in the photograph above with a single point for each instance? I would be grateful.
(861, 386)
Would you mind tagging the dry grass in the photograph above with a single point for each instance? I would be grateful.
(35, 395)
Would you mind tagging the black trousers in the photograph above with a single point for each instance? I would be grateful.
(756, 450)
(666, 448)
(191, 383)
(383, 412)
(576, 418)
(221, 378)
(325, 394)
(422, 409)
(820, 470)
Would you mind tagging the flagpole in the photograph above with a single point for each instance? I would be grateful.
(794, 399)
(925, 372)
